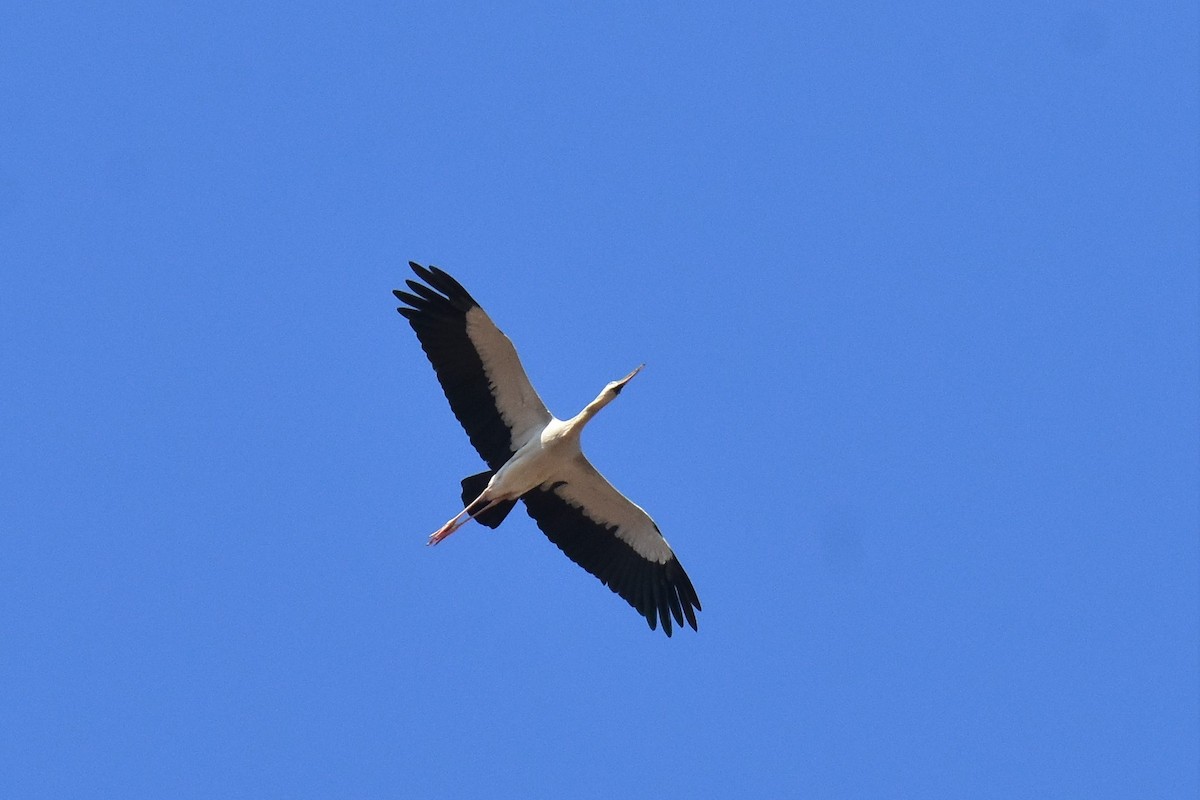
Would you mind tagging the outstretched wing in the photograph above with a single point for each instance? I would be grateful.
(476, 364)
(604, 532)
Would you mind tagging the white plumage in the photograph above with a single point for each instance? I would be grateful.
(536, 458)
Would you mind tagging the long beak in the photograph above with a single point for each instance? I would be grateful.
(629, 377)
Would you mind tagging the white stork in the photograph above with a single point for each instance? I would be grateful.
(535, 457)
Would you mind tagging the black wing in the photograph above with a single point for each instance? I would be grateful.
(476, 364)
(608, 535)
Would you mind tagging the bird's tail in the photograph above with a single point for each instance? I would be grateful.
(472, 487)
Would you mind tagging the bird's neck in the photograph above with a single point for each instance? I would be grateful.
(575, 424)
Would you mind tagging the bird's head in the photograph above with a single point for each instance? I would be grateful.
(614, 388)
(606, 396)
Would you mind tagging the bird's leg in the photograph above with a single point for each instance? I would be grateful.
(460, 519)
(450, 527)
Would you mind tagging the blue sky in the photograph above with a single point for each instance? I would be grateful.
(917, 291)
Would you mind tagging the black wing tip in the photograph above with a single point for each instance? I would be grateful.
(411, 299)
(669, 598)
(681, 595)
(444, 282)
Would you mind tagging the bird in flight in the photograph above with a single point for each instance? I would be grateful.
(534, 457)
